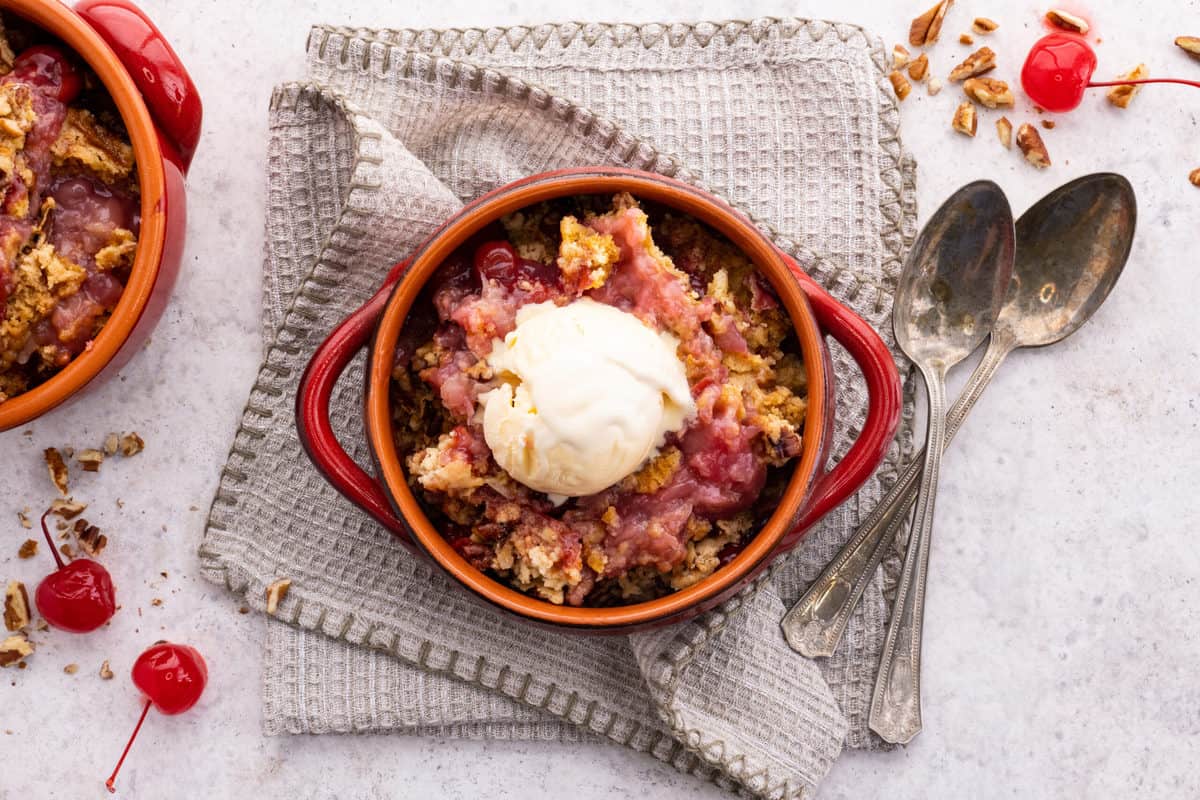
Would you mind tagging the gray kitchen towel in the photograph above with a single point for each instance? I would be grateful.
(390, 132)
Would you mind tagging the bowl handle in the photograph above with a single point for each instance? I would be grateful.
(883, 405)
(312, 410)
(158, 73)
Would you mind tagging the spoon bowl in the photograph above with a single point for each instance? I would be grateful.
(1071, 248)
(951, 288)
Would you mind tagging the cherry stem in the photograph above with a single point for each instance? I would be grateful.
(1144, 80)
(49, 541)
(112, 779)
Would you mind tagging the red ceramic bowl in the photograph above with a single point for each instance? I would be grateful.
(811, 491)
(161, 110)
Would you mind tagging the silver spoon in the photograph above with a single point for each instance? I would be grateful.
(950, 293)
(1071, 247)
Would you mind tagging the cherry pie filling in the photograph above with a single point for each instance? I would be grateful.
(69, 208)
(689, 508)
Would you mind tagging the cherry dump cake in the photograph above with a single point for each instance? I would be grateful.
(69, 207)
(597, 401)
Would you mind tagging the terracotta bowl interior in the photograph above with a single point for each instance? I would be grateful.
(60, 21)
(490, 208)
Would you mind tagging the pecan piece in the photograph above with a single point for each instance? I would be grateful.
(918, 68)
(131, 444)
(926, 28)
(934, 86)
(1032, 146)
(1120, 96)
(106, 672)
(900, 56)
(1004, 131)
(90, 459)
(1189, 45)
(276, 592)
(91, 540)
(900, 84)
(13, 649)
(989, 92)
(1067, 21)
(68, 508)
(28, 549)
(965, 120)
(16, 606)
(1194, 176)
(58, 469)
(984, 25)
(981, 61)
(966, 38)
(111, 443)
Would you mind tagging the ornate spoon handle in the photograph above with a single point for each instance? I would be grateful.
(896, 703)
(815, 624)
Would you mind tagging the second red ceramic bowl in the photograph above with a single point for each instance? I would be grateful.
(812, 490)
(161, 110)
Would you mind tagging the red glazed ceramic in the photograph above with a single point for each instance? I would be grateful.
(811, 492)
(161, 110)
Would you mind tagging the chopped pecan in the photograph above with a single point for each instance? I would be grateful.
(989, 92)
(1048, 124)
(58, 470)
(1189, 45)
(918, 68)
(1194, 176)
(926, 28)
(1067, 21)
(23, 517)
(68, 508)
(90, 459)
(16, 606)
(111, 443)
(131, 444)
(13, 649)
(934, 85)
(28, 549)
(276, 592)
(965, 120)
(981, 61)
(900, 84)
(900, 56)
(91, 540)
(984, 25)
(1120, 96)
(71, 669)
(1004, 131)
(106, 672)
(966, 38)
(1032, 146)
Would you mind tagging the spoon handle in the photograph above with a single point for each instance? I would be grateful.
(816, 623)
(896, 703)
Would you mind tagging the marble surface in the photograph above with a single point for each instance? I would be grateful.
(1061, 643)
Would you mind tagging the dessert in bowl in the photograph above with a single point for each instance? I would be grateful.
(590, 400)
(599, 398)
(98, 122)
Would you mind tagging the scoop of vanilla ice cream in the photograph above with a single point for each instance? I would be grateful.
(589, 392)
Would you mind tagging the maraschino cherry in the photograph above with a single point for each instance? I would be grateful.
(78, 596)
(172, 676)
(1059, 69)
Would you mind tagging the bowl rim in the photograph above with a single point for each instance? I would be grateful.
(62, 22)
(596, 180)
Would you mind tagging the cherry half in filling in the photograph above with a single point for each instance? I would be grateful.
(1059, 69)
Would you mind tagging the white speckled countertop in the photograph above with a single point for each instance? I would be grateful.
(1062, 645)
